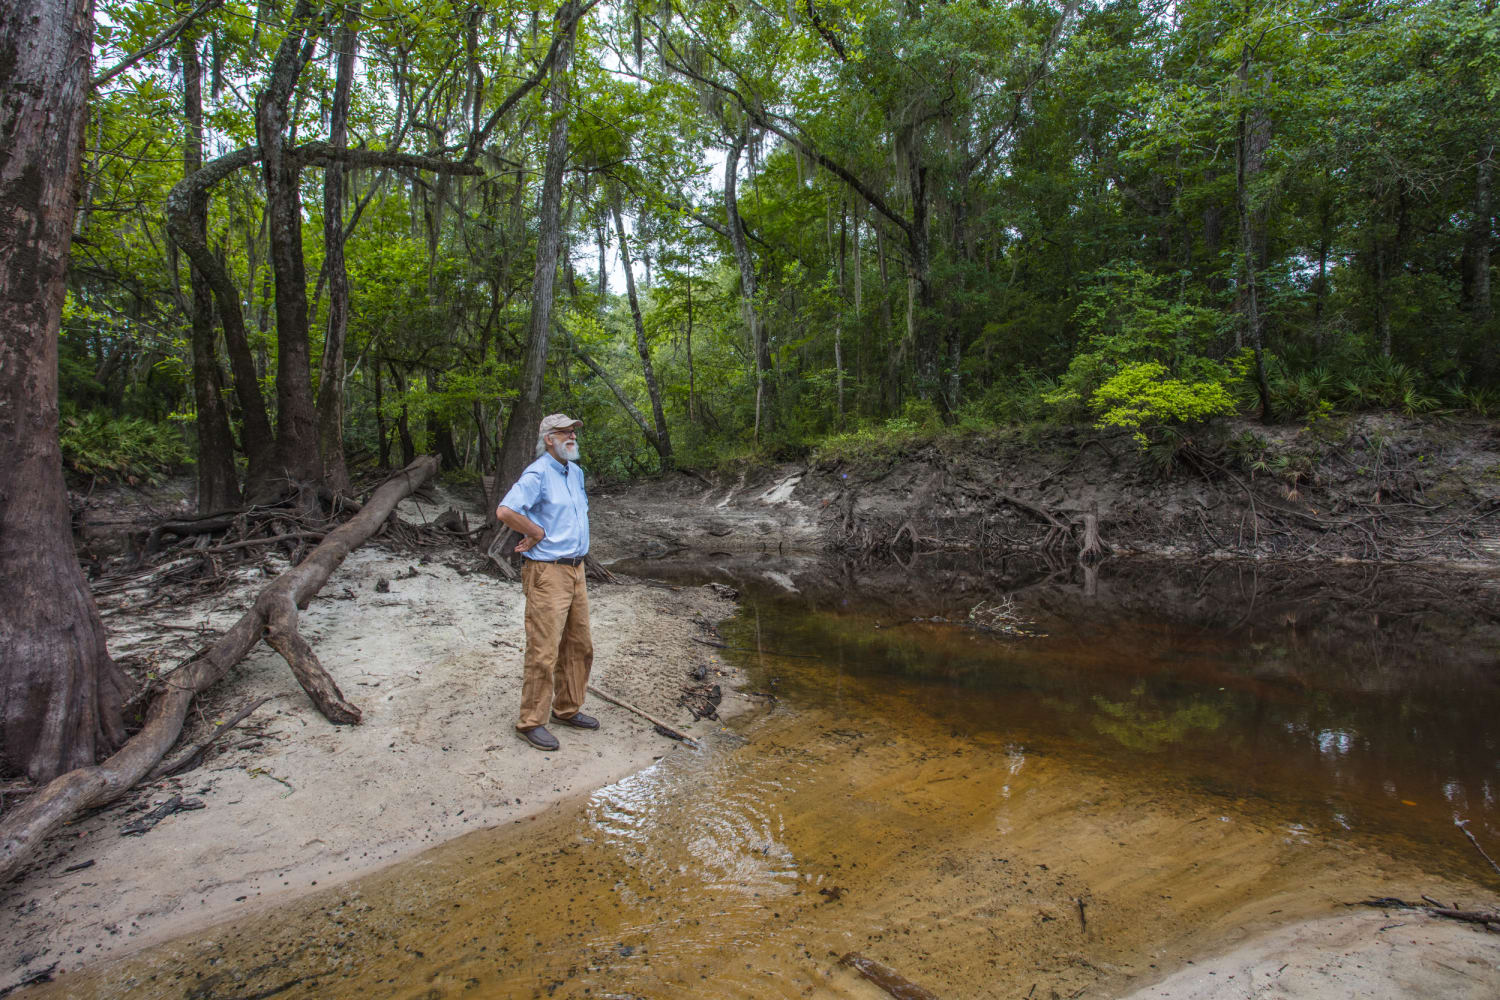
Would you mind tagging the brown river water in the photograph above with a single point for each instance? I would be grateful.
(1139, 767)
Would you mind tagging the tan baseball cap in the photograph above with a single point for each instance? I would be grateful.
(558, 422)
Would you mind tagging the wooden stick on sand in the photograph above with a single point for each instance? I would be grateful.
(670, 731)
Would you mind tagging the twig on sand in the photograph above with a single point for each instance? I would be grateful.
(660, 725)
(1463, 825)
(256, 772)
(195, 754)
(886, 978)
(175, 804)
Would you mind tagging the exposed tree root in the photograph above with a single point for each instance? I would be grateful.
(272, 617)
(1060, 531)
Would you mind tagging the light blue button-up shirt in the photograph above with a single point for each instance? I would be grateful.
(557, 503)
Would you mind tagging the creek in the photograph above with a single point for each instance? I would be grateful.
(1119, 770)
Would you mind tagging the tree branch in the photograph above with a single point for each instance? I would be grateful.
(564, 30)
(156, 44)
(762, 119)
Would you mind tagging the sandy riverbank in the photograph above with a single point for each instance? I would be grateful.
(433, 660)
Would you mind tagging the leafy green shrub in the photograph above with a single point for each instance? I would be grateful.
(126, 448)
(1146, 362)
(1143, 395)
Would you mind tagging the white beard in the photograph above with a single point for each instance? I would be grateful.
(569, 451)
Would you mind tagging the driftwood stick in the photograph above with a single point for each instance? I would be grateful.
(1463, 825)
(147, 822)
(1489, 918)
(886, 978)
(627, 706)
(147, 579)
(195, 753)
(268, 540)
(594, 569)
(23, 829)
(499, 549)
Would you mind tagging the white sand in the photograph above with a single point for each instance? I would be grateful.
(1358, 953)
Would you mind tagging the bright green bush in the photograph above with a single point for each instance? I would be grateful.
(1143, 395)
(124, 448)
(1147, 361)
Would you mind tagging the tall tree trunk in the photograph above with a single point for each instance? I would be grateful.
(403, 421)
(218, 487)
(439, 433)
(331, 374)
(60, 693)
(1325, 241)
(760, 352)
(296, 419)
(1481, 308)
(255, 425)
(1252, 139)
(692, 389)
(384, 446)
(663, 440)
(843, 251)
(1479, 243)
(519, 445)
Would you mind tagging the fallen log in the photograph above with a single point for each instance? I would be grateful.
(274, 618)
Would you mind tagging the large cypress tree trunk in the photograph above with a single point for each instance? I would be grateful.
(662, 439)
(519, 445)
(60, 693)
(218, 487)
(331, 376)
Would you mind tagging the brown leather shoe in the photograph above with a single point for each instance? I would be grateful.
(539, 738)
(577, 720)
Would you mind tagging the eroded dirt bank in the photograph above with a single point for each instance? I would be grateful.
(1372, 488)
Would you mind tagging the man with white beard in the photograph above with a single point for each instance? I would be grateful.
(547, 506)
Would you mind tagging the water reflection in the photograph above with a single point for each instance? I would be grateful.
(1283, 689)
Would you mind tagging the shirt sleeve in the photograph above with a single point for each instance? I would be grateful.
(525, 493)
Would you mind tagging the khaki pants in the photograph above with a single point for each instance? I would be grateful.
(559, 650)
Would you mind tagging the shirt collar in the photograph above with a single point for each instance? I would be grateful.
(561, 467)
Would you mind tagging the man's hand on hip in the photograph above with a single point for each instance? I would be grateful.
(531, 533)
